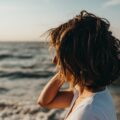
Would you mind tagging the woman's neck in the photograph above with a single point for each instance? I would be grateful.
(87, 92)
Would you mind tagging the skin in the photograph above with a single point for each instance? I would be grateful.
(52, 97)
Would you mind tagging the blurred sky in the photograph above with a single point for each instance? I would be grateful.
(26, 20)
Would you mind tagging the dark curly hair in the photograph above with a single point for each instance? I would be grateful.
(88, 50)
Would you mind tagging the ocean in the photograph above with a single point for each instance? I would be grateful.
(25, 68)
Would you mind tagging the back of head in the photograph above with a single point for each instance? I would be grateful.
(88, 50)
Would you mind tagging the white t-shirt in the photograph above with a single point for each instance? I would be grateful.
(99, 106)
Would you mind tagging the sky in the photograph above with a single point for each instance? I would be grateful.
(26, 20)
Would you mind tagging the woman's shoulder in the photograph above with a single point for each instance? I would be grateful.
(96, 106)
(102, 105)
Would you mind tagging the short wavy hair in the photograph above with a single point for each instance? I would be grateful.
(88, 50)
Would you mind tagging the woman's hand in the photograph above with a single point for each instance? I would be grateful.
(52, 97)
(51, 89)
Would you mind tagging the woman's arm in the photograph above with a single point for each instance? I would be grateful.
(51, 97)
(51, 89)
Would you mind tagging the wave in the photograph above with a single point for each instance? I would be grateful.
(3, 90)
(7, 56)
(22, 74)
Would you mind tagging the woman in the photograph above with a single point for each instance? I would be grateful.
(87, 57)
